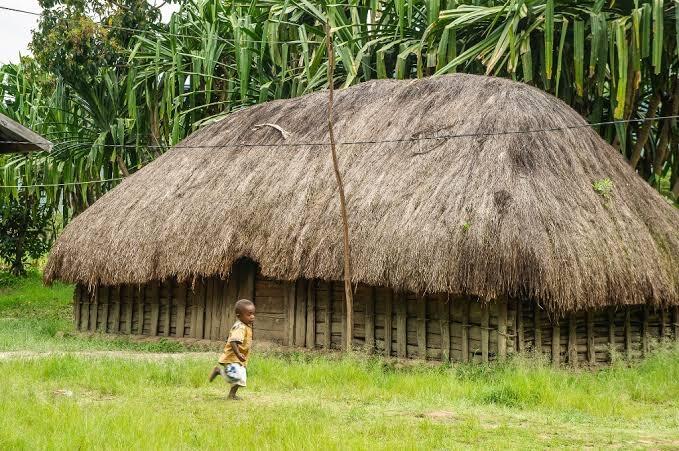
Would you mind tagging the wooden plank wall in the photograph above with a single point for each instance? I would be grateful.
(310, 313)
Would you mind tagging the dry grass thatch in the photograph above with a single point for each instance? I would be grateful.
(512, 214)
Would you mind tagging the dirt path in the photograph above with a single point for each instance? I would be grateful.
(153, 356)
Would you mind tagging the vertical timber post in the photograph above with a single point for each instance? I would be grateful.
(644, 331)
(628, 332)
(370, 320)
(388, 313)
(230, 298)
(91, 306)
(502, 328)
(155, 307)
(537, 328)
(343, 208)
(611, 332)
(591, 351)
(520, 341)
(181, 309)
(556, 344)
(327, 338)
(343, 321)
(200, 308)
(129, 296)
(663, 320)
(217, 308)
(311, 315)
(300, 318)
(465, 330)
(290, 302)
(422, 327)
(209, 307)
(167, 319)
(77, 301)
(401, 331)
(444, 318)
(572, 340)
(105, 308)
(485, 330)
(118, 292)
(140, 294)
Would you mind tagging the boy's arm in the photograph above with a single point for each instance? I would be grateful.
(234, 347)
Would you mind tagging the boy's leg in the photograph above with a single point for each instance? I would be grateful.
(232, 392)
(215, 372)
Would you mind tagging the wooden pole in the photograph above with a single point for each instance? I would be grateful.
(444, 318)
(388, 312)
(422, 327)
(465, 330)
(300, 312)
(180, 295)
(485, 330)
(311, 314)
(502, 328)
(611, 329)
(591, 351)
(401, 326)
(155, 307)
(664, 319)
(77, 300)
(290, 298)
(327, 338)
(556, 344)
(537, 329)
(343, 207)
(519, 346)
(572, 340)
(140, 309)
(628, 332)
(370, 320)
(105, 309)
(644, 331)
(129, 297)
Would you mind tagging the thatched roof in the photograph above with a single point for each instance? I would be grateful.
(511, 214)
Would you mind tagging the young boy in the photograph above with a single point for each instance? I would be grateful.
(234, 359)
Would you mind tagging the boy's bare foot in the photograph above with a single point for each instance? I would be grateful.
(232, 394)
(215, 372)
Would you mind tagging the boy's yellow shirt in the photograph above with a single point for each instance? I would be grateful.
(240, 333)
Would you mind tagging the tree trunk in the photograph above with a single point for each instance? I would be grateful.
(675, 170)
(661, 152)
(645, 130)
(122, 166)
(17, 268)
(343, 208)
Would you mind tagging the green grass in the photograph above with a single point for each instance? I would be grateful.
(303, 400)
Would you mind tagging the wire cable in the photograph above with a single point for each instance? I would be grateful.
(468, 135)
(365, 142)
(62, 184)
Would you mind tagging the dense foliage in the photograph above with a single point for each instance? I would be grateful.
(24, 230)
(113, 99)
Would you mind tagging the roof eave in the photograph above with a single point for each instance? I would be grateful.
(26, 140)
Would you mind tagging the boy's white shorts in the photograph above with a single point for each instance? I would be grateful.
(235, 374)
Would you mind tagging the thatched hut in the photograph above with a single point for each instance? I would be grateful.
(502, 238)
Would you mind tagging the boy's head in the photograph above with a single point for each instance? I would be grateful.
(245, 311)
